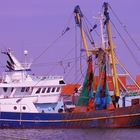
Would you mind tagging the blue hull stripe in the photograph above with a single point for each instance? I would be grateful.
(72, 120)
(122, 117)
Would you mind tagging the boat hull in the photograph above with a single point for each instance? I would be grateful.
(127, 117)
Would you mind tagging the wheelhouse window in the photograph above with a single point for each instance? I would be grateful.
(23, 89)
(43, 90)
(61, 82)
(48, 90)
(38, 91)
(12, 89)
(5, 89)
(27, 89)
(58, 89)
(53, 89)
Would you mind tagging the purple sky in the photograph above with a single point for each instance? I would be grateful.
(33, 24)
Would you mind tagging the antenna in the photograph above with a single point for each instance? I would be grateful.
(25, 57)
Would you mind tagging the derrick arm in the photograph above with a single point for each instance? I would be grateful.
(78, 16)
(114, 71)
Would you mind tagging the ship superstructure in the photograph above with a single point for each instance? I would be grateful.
(20, 91)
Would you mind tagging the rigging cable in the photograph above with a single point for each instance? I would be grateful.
(81, 59)
(81, 77)
(124, 27)
(66, 29)
(133, 56)
(75, 52)
(69, 72)
(93, 27)
(87, 32)
(126, 71)
(53, 69)
(70, 60)
(44, 51)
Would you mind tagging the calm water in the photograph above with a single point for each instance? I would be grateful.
(70, 134)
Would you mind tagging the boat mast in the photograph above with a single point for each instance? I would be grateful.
(114, 72)
(102, 32)
(78, 16)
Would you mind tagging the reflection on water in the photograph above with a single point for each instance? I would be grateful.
(69, 134)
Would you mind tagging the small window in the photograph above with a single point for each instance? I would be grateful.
(15, 108)
(12, 89)
(135, 101)
(48, 90)
(61, 82)
(27, 89)
(24, 108)
(22, 89)
(38, 91)
(43, 90)
(53, 89)
(58, 89)
(5, 89)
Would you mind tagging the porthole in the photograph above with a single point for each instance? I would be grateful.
(60, 110)
(15, 108)
(24, 108)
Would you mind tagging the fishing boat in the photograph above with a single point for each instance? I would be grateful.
(29, 101)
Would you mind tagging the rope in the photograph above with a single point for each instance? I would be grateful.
(124, 27)
(66, 29)
(93, 28)
(70, 60)
(133, 56)
(81, 61)
(125, 70)
(76, 41)
(44, 51)
(69, 73)
(89, 36)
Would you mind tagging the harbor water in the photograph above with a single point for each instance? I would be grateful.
(69, 134)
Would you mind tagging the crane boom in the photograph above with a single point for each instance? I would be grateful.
(78, 16)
